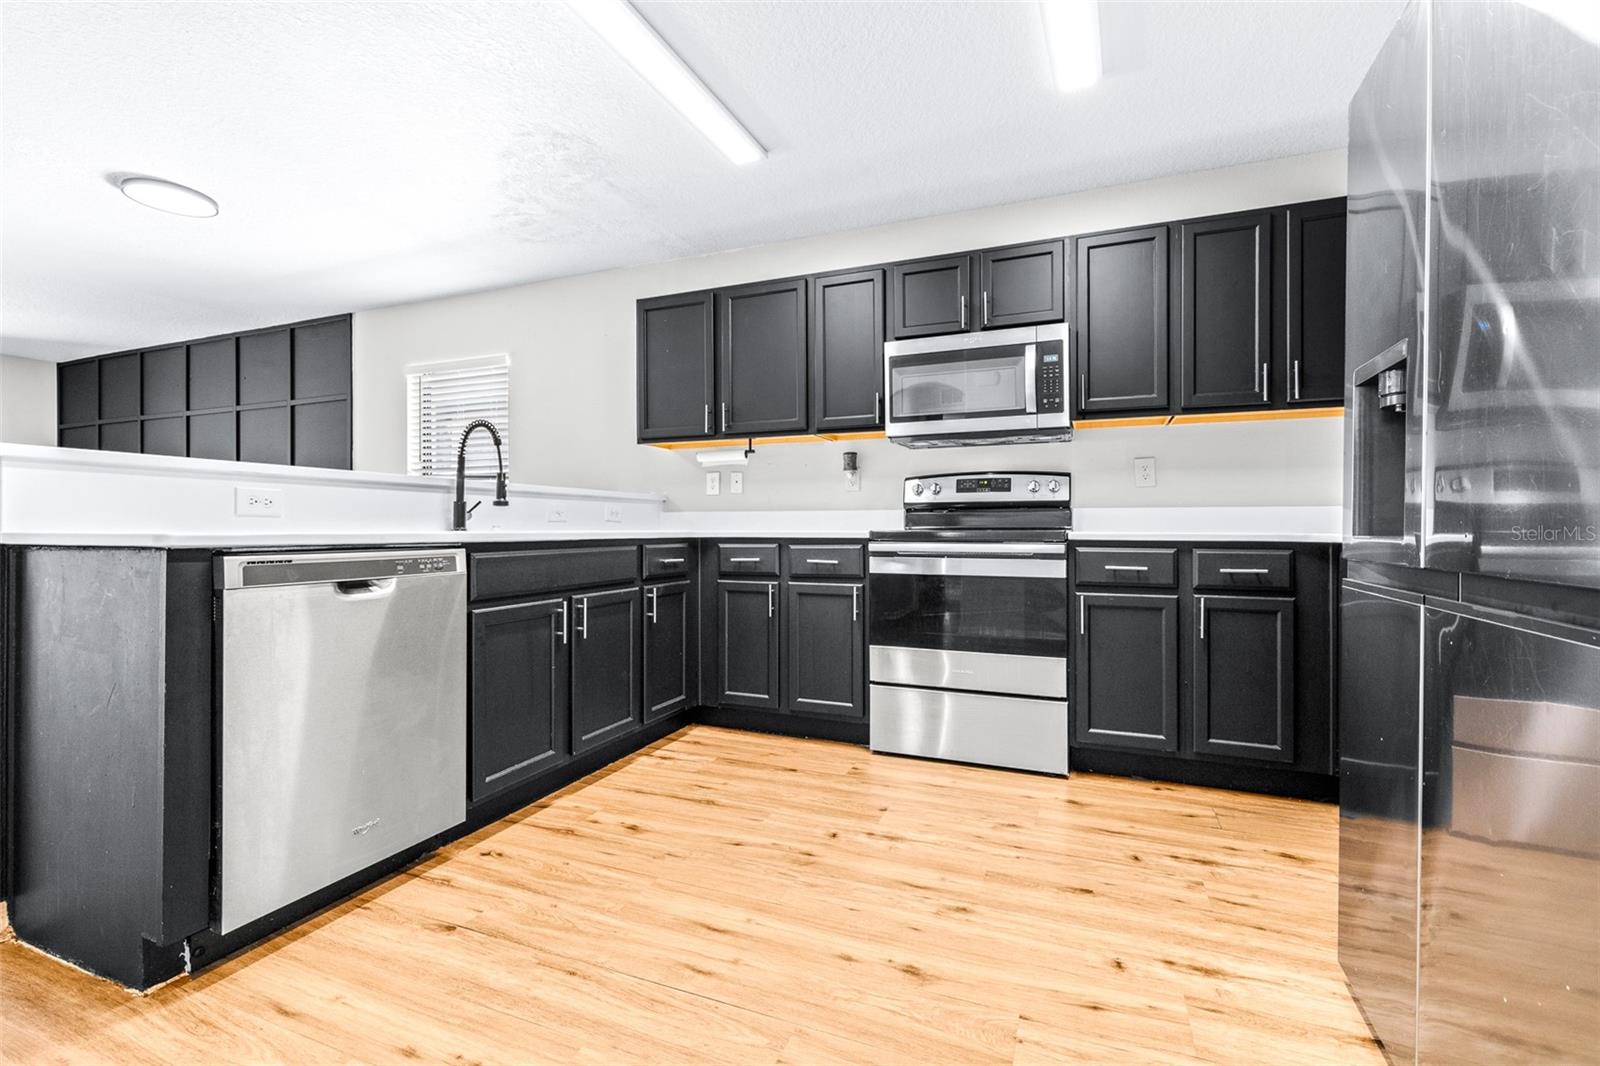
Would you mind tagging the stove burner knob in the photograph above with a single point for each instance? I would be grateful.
(937, 488)
(1054, 486)
(916, 489)
(1033, 486)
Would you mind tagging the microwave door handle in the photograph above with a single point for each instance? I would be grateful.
(1030, 379)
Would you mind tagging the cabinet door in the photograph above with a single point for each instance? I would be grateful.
(1225, 310)
(1127, 665)
(930, 296)
(747, 644)
(519, 693)
(677, 367)
(847, 351)
(761, 364)
(824, 669)
(1021, 285)
(1244, 677)
(1120, 327)
(606, 690)
(1315, 329)
(670, 676)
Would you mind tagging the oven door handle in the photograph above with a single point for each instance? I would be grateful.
(966, 566)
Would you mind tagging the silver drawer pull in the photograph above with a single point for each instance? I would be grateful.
(745, 559)
(670, 561)
(823, 562)
(1116, 566)
(1241, 570)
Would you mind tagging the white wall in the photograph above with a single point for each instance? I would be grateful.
(571, 343)
(27, 401)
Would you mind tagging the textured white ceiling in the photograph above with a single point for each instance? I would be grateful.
(373, 153)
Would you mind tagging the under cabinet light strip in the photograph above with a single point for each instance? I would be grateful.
(626, 31)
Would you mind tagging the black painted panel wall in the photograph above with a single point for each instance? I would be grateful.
(278, 395)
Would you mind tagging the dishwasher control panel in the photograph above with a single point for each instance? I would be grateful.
(308, 568)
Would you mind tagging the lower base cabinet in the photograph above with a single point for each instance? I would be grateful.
(747, 644)
(671, 681)
(825, 669)
(1244, 677)
(520, 693)
(1126, 662)
(606, 688)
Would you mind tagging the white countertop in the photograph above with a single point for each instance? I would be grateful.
(1312, 525)
(358, 538)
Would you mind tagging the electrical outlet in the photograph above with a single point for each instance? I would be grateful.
(736, 481)
(613, 513)
(852, 481)
(257, 501)
(714, 483)
(556, 514)
(1144, 473)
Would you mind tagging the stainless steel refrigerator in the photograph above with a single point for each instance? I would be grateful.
(1469, 850)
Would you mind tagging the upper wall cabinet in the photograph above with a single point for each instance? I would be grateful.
(278, 395)
(761, 358)
(1314, 364)
(677, 366)
(1225, 310)
(847, 351)
(1017, 285)
(1119, 321)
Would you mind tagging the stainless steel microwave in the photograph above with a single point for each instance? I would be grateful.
(1008, 386)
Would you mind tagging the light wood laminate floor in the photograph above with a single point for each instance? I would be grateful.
(732, 897)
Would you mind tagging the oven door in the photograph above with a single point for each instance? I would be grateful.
(980, 617)
(937, 390)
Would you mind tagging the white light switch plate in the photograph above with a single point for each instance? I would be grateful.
(852, 481)
(613, 513)
(736, 482)
(714, 483)
(557, 514)
(257, 501)
(1144, 473)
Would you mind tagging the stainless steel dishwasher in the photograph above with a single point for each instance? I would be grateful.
(343, 722)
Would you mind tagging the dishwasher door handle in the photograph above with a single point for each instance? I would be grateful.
(369, 589)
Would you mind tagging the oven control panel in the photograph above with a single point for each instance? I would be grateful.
(988, 490)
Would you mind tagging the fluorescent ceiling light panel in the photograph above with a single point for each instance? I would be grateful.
(168, 196)
(1072, 31)
(626, 31)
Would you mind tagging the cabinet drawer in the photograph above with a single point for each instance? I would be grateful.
(497, 574)
(759, 559)
(667, 560)
(1215, 568)
(825, 560)
(1128, 566)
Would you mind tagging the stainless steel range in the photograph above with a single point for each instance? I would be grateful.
(968, 621)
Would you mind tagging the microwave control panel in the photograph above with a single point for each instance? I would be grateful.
(1051, 376)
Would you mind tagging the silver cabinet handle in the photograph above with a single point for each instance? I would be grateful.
(1294, 377)
(583, 619)
(986, 307)
(823, 562)
(708, 418)
(651, 614)
(724, 416)
(563, 621)
(855, 603)
(963, 310)
(1124, 566)
(1202, 618)
(1083, 388)
(1242, 570)
(877, 407)
(771, 597)
(744, 559)
(672, 562)
(1263, 382)
(1081, 621)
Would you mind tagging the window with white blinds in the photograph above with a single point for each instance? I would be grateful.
(441, 398)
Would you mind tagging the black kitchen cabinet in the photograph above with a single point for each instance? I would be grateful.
(1120, 321)
(606, 687)
(1126, 662)
(1225, 311)
(1314, 364)
(279, 395)
(847, 332)
(520, 693)
(824, 663)
(677, 366)
(1021, 285)
(671, 675)
(747, 644)
(928, 297)
(761, 358)
(1244, 690)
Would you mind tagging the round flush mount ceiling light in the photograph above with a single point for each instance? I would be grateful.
(168, 196)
